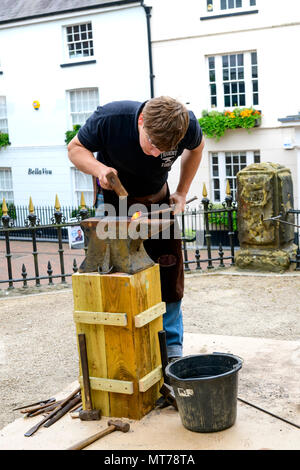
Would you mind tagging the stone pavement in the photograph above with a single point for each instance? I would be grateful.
(266, 363)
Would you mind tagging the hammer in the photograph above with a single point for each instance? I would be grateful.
(113, 425)
(116, 185)
(89, 414)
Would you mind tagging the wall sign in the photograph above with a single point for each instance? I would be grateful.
(38, 171)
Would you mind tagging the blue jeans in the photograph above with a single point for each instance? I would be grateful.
(173, 326)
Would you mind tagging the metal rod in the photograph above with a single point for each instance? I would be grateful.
(61, 255)
(8, 259)
(269, 413)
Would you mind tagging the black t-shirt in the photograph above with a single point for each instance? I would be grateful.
(112, 131)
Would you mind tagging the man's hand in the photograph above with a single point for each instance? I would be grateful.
(102, 176)
(178, 199)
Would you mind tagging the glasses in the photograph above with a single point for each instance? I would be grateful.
(150, 141)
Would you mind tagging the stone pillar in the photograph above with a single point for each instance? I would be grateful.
(265, 190)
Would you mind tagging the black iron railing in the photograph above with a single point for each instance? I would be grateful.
(201, 247)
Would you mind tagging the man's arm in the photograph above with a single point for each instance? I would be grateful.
(85, 161)
(190, 161)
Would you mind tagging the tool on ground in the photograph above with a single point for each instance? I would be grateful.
(32, 430)
(42, 402)
(113, 425)
(162, 338)
(88, 414)
(139, 214)
(166, 390)
(64, 410)
(116, 185)
(34, 412)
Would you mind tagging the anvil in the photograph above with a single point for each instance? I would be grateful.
(116, 244)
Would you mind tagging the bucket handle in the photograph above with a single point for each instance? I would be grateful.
(232, 355)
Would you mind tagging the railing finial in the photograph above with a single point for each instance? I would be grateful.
(82, 201)
(4, 208)
(228, 190)
(31, 207)
(204, 192)
(57, 204)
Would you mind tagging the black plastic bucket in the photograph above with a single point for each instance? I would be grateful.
(205, 387)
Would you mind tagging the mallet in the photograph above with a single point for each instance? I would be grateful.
(89, 414)
(113, 425)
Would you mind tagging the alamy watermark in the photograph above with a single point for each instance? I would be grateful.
(138, 221)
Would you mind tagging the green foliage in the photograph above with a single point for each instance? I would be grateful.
(11, 210)
(91, 210)
(221, 218)
(71, 134)
(4, 140)
(215, 123)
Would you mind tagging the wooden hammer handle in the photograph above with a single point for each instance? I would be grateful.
(89, 440)
(116, 185)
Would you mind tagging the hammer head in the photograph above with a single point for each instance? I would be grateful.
(90, 415)
(119, 425)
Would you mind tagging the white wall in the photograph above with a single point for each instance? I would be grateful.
(31, 56)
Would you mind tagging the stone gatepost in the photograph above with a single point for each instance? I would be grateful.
(265, 190)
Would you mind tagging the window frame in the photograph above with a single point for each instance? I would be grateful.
(251, 157)
(4, 130)
(73, 60)
(88, 192)
(219, 81)
(87, 112)
(7, 190)
(215, 6)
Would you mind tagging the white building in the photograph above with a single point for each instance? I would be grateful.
(210, 54)
(69, 59)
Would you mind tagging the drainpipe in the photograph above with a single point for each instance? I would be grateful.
(152, 76)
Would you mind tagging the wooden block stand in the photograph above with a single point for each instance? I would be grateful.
(120, 315)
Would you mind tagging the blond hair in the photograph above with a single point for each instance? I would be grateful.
(166, 121)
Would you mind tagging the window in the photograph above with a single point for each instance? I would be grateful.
(82, 104)
(222, 6)
(225, 4)
(254, 73)
(83, 183)
(233, 80)
(3, 116)
(212, 82)
(225, 166)
(6, 185)
(80, 41)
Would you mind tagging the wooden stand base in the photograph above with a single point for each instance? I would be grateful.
(120, 315)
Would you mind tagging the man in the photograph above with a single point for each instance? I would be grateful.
(139, 142)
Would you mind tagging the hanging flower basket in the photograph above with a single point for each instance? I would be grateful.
(215, 123)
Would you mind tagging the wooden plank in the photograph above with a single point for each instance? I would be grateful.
(87, 296)
(120, 345)
(149, 315)
(146, 293)
(150, 379)
(100, 318)
(109, 385)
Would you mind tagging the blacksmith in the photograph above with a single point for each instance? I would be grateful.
(140, 142)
